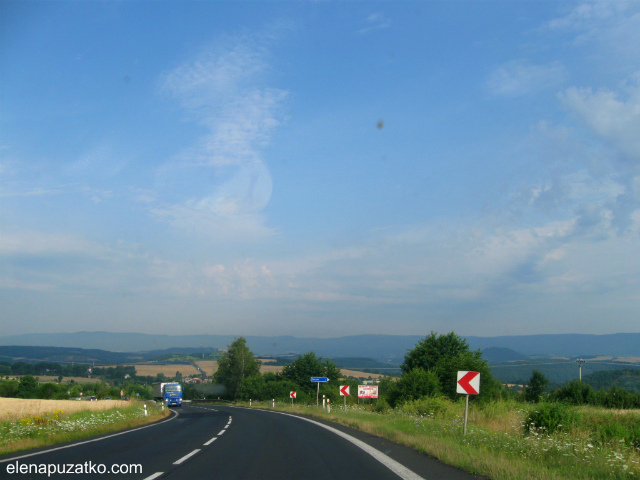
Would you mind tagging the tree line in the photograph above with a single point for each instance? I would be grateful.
(429, 370)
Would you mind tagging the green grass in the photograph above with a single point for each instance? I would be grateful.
(592, 444)
(49, 429)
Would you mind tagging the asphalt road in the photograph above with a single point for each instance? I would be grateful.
(230, 443)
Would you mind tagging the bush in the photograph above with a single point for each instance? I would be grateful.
(413, 385)
(550, 417)
(575, 393)
(429, 406)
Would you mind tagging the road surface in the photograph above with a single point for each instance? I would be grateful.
(230, 443)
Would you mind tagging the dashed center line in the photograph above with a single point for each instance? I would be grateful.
(211, 441)
(155, 475)
(189, 455)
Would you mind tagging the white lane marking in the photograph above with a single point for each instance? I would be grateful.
(211, 441)
(91, 441)
(221, 432)
(188, 455)
(396, 467)
(155, 475)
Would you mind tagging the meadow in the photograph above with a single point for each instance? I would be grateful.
(503, 440)
(16, 408)
(27, 424)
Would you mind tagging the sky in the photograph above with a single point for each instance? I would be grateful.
(320, 169)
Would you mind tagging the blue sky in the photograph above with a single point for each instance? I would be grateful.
(320, 168)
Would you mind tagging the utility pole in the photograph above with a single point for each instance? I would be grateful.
(580, 362)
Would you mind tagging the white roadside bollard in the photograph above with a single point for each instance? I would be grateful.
(145, 410)
(273, 403)
(328, 405)
(249, 402)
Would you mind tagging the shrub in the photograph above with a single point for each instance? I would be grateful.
(550, 417)
(429, 406)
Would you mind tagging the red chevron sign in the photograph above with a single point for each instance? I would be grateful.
(344, 390)
(292, 394)
(468, 383)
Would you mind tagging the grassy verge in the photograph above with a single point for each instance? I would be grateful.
(52, 427)
(502, 442)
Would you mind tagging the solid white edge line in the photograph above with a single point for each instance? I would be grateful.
(396, 467)
(155, 475)
(90, 441)
(211, 441)
(188, 455)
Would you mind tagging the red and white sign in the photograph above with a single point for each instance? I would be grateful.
(344, 390)
(468, 383)
(292, 394)
(367, 391)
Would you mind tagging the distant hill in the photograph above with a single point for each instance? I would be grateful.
(31, 354)
(629, 379)
(496, 354)
(383, 348)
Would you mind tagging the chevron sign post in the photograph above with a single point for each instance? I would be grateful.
(344, 392)
(468, 384)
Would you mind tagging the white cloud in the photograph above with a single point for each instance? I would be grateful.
(375, 21)
(518, 77)
(612, 118)
(609, 31)
(222, 89)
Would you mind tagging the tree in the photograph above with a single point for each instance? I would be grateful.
(413, 385)
(309, 365)
(28, 387)
(235, 365)
(537, 384)
(445, 355)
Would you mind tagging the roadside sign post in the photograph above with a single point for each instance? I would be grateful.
(367, 391)
(468, 384)
(292, 395)
(319, 380)
(344, 392)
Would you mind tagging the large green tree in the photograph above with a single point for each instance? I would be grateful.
(445, 355)
(310, 365)
(235, 366)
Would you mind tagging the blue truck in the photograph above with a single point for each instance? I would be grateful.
(168, 393)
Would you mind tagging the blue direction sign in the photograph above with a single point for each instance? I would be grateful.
(319, 379)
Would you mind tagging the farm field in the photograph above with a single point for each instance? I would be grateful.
(16, 408)
(210, 366)
(54, 379)
(153, 369)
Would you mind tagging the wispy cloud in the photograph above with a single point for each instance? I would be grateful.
(223, 90)
(373, 22)
(519, 77)
(610, 116)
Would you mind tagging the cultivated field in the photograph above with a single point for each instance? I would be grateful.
(16, 408)
(357, 374)
(153, 369)
(53, 379)
(211, 366)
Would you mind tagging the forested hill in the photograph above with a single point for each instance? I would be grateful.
(627, 379)
(385, 348)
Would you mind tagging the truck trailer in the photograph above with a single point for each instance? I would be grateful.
(168, 393)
